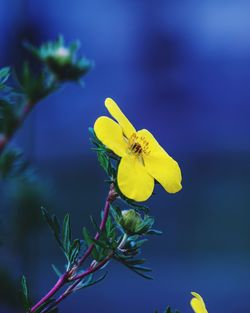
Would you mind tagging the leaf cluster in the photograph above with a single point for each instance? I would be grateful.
(62, 233)
(128, 256)
(20, 91)
(107, 242)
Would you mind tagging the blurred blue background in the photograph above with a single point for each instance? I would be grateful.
(181, 70)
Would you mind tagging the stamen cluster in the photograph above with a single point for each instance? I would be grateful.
(138, 145)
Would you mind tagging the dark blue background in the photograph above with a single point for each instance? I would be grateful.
(181, 70)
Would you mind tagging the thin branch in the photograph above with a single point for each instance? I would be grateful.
(68, 275)
(61, 281)
(111, 197)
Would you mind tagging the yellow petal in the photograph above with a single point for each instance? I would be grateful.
(110, 134)
(133, 180)
(115, 111)
(160, 165)
(197, 303)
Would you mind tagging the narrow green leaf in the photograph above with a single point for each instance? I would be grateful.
(54, 225)
(56, 228)
(91, 282)
(56, 270)
(66, 233)
(74, 251)
(141, 274)
(86, 236)
(136, 262)
(25, 294)
(154, 232)
(94, 224)
(139, 243)
(89, 242)
(142, 268)
(4, 74)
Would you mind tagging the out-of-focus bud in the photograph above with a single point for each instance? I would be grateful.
(62, 60)
(62, 55)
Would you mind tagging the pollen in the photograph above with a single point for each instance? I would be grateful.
(138, 145)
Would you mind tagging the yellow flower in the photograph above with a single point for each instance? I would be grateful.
(197, 303)
(142, 158)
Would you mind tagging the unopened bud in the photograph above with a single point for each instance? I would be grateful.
(130, 221)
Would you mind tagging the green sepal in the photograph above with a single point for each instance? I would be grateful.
(132, 222)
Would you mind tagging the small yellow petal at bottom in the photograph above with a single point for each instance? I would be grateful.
(133, 180)
(110, 134)
(198, 304)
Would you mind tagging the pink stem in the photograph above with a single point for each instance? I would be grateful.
(111, 196)
(78, 279)
(64, 278)
(93, 269)
(61, 281)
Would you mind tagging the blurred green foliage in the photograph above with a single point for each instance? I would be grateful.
(21, 187)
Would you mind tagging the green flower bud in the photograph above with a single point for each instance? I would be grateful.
(64, 64)
(134, 224)
(130, 221)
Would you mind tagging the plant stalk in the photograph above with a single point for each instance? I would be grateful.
(67, 276)
(91, 270)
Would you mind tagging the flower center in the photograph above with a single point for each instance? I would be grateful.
(138, 145)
